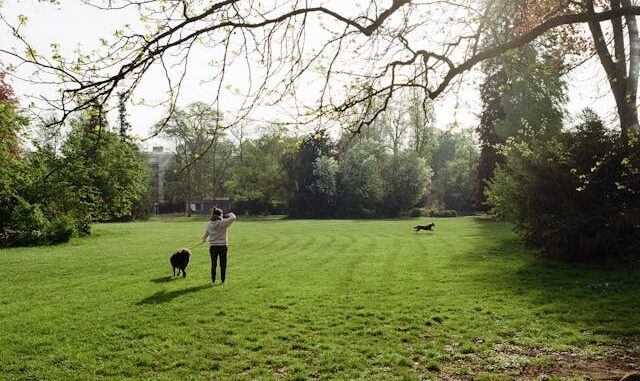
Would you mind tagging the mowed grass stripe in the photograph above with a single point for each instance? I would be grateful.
(330, 299)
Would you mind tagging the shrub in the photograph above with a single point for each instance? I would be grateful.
(83, 224)
(29, 221)
(368, 213)
(415, 212)
(61, 230)
(443, 213)
(143, 207)
(574, 196)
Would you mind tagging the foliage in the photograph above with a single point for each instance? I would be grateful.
(7, 96)
(13, 169)
(94, 177)
(574, 196)
(357, 47)
(455, 171)
(443, 213)
(407, 181)
(415, 212)
(306, 198)
(523, 85)
(104, 176)
(198, 170)
(143, 207)
(492, 113)
(62, 229)
(421, 124)
(325, 173)
(361, 182)
(534, 93)
(258, 182)
(29, 221)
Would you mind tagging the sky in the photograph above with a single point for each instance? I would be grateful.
(74, 25)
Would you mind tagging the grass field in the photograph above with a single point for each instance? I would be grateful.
(343, 300)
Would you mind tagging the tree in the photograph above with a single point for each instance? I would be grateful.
(361, 182)
(123, 123)
(421, 125)
(195, 131)
(408, 180)
(7, 96)
(306, 198)
(491, 92)
(455, 163)
(574, 196)
(258, 181)
(325, 173)
(622, 70)
(103, 176)
(521, 86)
(379, 47)
(13, 170)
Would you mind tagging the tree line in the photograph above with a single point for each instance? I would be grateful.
(50, 192)
(570, 188)
(91, 172)
(401, 165)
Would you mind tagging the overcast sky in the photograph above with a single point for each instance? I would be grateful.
(74, 25)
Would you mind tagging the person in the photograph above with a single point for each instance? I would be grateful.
(216, 233)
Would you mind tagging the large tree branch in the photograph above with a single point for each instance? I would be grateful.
(586, 17)
(378, 74)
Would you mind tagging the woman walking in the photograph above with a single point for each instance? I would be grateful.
(216, 233)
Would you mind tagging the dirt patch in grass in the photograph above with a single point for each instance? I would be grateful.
(510, 362)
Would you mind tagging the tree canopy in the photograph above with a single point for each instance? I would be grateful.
(282, 48)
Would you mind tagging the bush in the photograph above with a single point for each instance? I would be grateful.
(83, 225)
(415, 212)
(61, 230)
(29, 221)
(143, 207)
(574, 196)
(368, 213)
(443, 213)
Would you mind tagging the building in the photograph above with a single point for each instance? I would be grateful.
(205, 206)
(158, 161)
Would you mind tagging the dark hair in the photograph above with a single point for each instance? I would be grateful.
(216, 212)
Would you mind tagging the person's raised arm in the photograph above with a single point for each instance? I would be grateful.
(228, 219)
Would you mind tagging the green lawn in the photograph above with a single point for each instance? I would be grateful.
(367, 300)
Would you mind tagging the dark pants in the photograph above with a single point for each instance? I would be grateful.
(215, 252)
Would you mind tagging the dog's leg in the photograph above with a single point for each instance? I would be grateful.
(174, 271)
(184, 274)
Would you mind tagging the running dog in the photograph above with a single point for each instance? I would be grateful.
(180, 260)
(424, 227)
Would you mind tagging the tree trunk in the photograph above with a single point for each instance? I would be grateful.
(634, 69)
(188, 198)
(623, 85)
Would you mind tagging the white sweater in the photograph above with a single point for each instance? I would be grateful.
(217, 230)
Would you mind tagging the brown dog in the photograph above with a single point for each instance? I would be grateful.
(424, 227)
(180, 260)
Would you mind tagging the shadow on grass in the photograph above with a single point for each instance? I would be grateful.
(164, 279)
(602, 297)
(163, 296)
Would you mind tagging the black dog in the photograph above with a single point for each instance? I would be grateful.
(180, 260)
(424, 227)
